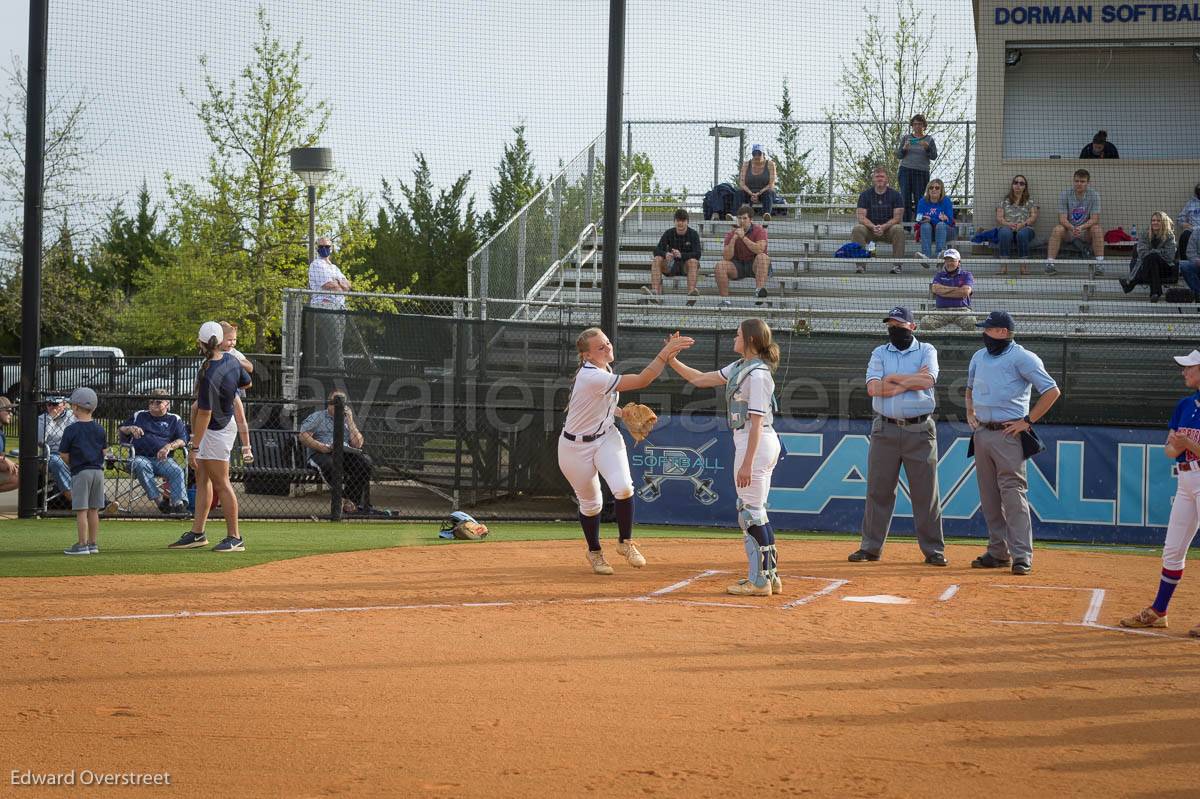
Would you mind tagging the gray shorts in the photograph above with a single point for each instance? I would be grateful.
(87, 490)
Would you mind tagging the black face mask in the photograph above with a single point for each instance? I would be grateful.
(995, 346)
(901, 337)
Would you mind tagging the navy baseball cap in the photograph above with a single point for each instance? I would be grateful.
(900, 314)
(998, 319)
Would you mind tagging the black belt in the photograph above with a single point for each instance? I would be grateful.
(584, 439)
(998, 425)
(906, 422)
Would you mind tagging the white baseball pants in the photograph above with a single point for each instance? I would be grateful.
(583, 464)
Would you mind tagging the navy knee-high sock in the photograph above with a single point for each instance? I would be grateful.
(591, 531)
(771, 540)
(1166, 587)
(624, 510)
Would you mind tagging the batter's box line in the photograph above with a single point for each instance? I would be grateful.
(658, 596)
(1089, 616)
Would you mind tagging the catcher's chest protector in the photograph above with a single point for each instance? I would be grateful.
(737, 394)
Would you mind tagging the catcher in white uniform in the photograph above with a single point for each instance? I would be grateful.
(591, 447)
(750, 395)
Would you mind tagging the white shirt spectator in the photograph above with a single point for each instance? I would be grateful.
(320, 272)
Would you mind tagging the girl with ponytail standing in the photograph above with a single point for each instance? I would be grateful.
(750, 395)
(217, 421)
(590, 446)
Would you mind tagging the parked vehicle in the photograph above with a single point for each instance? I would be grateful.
(63, 368)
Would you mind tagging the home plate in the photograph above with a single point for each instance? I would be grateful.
(878, 599)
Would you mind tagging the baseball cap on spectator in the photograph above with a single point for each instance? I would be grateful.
(85, 398)
(756, 148)
(900, 314)
(54, 399)
(208, 331)
(952, 253)
(998, 319)
(1191, 359)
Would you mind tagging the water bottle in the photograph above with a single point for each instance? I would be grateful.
(1134, 233)
(871, 247)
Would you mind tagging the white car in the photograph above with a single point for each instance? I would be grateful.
(64, 368)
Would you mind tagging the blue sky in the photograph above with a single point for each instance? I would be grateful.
(450, 78)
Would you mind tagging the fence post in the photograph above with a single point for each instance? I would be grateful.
(591, 184)
(485, 261)
(337, 468)
(967, 165)
(829, 178)
(716, 154)
(556, 220)
(521, 229)
(628, 147)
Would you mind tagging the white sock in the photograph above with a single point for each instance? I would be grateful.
(1099, 258)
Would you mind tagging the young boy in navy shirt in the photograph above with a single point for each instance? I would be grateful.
(82, 449)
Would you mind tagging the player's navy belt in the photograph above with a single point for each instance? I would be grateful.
(584, 439)
(1189, 466)
(905, 422)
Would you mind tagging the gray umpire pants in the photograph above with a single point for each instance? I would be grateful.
(1000, 470)
(914, 446)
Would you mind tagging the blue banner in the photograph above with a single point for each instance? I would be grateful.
(1094, 484)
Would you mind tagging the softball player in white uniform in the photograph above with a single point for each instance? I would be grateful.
(750, 394)
(591, 447)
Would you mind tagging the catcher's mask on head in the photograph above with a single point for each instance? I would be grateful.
(463, 526)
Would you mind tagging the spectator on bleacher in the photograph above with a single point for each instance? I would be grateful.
(1078, 218)
(900, 379)
(1189, 267)
(744, 254)
(51, 425)
(915, 150)
(757, 181)
(880, 212)
(154, 434)
(9, 477)
(1016, 215)
(1188, 219)
(952, 289)
(1100, 147)
(935, 214)
(316, 433)
(1153, 260)
(326, 279)
(677, 253)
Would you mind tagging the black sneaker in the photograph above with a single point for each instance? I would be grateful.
(179, 508)
(164, 505)
(862, 555)
(986, 561)
(190, 540)
(760, 296)
(936, 560)
(1021, 567)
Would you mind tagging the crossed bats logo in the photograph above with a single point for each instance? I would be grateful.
(677, 463)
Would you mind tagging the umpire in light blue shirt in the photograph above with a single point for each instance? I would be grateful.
(999, 380)
(900, 380)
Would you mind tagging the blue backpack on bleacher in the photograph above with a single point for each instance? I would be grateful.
(852, 250)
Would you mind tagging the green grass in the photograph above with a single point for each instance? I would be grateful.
(33, 548)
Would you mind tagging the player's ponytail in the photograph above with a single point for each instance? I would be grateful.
(756, 337)
(207, 349)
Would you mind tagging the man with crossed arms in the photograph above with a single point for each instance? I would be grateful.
(900, 380)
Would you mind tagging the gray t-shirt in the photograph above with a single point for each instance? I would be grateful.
(912, 155)
(1078, 210)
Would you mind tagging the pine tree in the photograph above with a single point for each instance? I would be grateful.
(131, 244)
(791, 165)
(518, 184)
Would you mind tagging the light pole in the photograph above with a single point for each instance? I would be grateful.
(313, 165)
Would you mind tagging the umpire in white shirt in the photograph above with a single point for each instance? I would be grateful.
(329, 283)
(999, 380)
(900, 379)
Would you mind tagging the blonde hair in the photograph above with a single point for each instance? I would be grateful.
(756, 336)
(929, 187)
(228, 327)
(1168, 227)
(584, 343)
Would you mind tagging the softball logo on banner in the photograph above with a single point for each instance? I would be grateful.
(1097, 484)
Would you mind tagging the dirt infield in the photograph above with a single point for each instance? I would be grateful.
(508, 670)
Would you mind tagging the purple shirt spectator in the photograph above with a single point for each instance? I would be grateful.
(957, 279)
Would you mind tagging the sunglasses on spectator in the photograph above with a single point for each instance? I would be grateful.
(160, 402)
(1018, 183)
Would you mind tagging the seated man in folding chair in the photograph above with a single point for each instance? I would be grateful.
(154, 434)
(316, 433)
(51, 425)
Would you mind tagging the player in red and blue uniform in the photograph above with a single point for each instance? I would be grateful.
(1183, 444)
